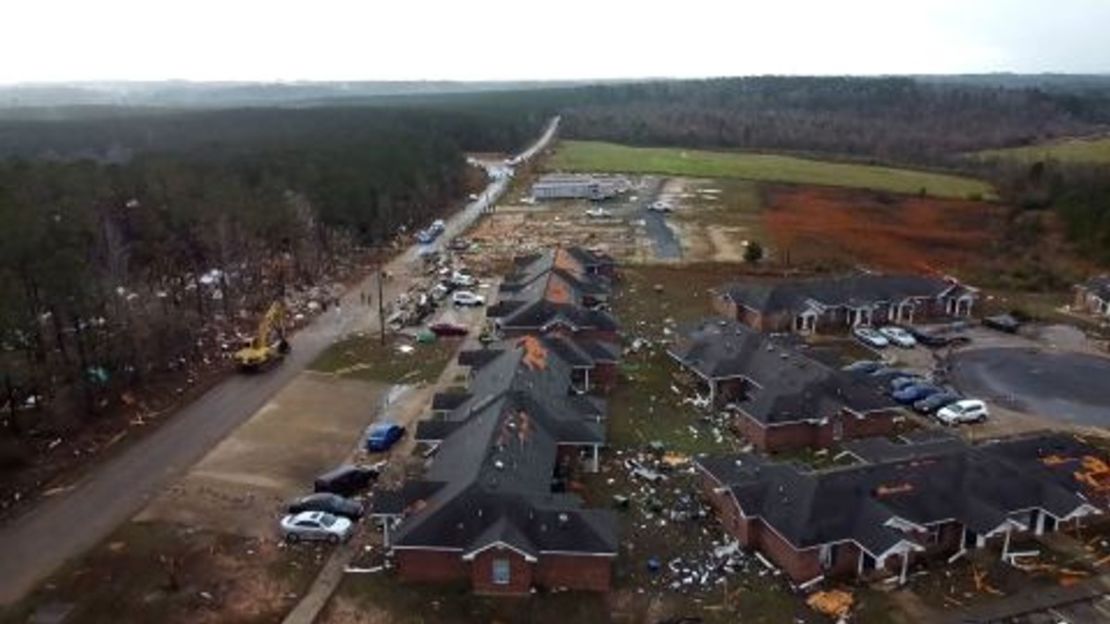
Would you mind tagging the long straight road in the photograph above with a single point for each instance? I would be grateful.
(64, 526)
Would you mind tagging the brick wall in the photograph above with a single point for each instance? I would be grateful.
(574, 572)
(728, 513)
(777, 438)
(481, 572)
(800, 565)
(430, 566)
(604, 376)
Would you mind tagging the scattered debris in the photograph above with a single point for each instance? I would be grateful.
(834, 603)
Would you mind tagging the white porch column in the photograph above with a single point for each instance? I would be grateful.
(905, 567)
(859, 564)
(1006, 542)
(385, 531)
(597, 464)
(587, 380)
(1040, 523)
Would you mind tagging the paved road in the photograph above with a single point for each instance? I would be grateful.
(1062, 386)
(64, 526)
(663, 238)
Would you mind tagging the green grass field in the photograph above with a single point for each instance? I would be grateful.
(1071, 151)
(596, 156)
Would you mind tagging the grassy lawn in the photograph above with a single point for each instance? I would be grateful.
(364, 357)
(1070, 150)
(597, 156)
(381, 598)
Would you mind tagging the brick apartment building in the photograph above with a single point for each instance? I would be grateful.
(492, 507)
(783, 399)
(880, 518)
(833, 304)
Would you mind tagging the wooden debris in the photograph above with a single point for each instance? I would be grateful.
(833, 603)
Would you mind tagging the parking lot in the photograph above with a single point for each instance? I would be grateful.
(1042, 377)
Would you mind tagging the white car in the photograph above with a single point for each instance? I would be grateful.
(870, 337)
(467, 298)
(898, 336)
(459, 278)
(316, 525)
(660, 206)
(966, 411)
(597, 213)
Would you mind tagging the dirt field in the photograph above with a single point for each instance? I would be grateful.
(837, 227)
(239, 486)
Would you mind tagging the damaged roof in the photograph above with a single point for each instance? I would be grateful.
(496, 460)
(558, 286)
(980, 487)
(788, 385)
(858, 289)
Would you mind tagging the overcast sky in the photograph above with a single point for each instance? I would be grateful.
(54, 40)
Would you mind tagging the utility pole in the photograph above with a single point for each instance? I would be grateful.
(381, 300)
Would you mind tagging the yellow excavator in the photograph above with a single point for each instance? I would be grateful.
(261, 353)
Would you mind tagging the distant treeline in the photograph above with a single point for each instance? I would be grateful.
(893, 119)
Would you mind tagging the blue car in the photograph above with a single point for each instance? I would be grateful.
(914, 392)
(901, 381)
(381, 436)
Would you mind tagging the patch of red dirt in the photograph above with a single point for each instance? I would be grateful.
(892, 232)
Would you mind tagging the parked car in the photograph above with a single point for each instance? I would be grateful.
(346, 480)
(1003, 322)
(458, 244)
(939, 338)
(870, 337)
(444, 328)
(887, 373)
(383, 435)
(965, 411)
(467, 298)
(598, 213)
(898, 336)
(333, 504)
(439, 292)
(906, 379)
(316, 525)
(863, 366)
(660, 206)
(933, 402)
(912, 393)
(458, 278)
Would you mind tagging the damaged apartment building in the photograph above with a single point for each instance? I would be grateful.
(908, 503)
(782, 399)
(831, 304)
(493, 506)
(563, 295)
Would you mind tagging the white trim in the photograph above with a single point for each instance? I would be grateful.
(1006, 525)
(1082, 511)
(474, 553)
(574, 553)
(900, 523)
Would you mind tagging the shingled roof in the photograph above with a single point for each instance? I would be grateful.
(846, 290)
(980, 487)
(496, 461)
(788, 386)
(554, 287)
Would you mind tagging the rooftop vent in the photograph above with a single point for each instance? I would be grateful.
(563, 518)
(498, 464)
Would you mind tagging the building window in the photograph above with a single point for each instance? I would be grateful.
(501, 572)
